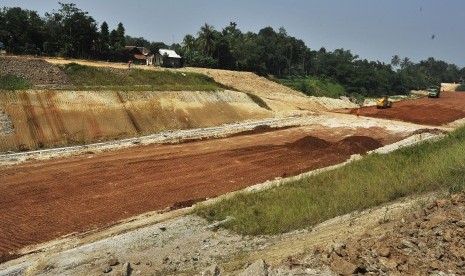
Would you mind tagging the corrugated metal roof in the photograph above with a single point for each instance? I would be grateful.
(170, 53)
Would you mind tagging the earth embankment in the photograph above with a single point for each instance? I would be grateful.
(44, 119)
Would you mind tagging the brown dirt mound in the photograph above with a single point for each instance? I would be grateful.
(309, 143)
(358, 144)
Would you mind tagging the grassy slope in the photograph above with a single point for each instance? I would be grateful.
(94, 78)
(314, 86)
(374, 180)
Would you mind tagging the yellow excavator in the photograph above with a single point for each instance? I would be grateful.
(383, 102)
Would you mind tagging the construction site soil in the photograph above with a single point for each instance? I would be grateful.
(62, 198)
(450, 106)
(46, 200)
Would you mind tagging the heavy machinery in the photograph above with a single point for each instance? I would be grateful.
(383, 102)
(433, 92)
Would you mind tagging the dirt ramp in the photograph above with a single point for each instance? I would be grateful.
(358, 144)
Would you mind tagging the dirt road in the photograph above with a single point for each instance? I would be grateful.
(45, 200)
(426, 111)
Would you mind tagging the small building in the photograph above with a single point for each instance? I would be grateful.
(138, 55)
(168, 58)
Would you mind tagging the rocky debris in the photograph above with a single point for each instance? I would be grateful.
(37, 71)
(431, 241)
(6, 126)
(258, 268)
(112, 261)
(125, 270)
(211, 271)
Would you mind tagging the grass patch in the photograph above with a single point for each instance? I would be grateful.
(12, 82)
(95, 78)
(313, 86)
(369, 182)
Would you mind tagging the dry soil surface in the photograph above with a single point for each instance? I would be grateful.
(450, 106)
(45, 200)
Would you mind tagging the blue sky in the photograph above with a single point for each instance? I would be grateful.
(372, 29)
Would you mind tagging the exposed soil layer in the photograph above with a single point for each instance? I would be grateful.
(36, 119)
(45, 200)
(450, 106)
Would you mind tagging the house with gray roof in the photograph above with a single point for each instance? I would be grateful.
(168, 58)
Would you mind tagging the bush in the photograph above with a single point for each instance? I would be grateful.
(460, 88)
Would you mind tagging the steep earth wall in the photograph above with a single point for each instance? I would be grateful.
(41, 119)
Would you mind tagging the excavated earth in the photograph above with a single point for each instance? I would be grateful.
(46, 200)
(66, 197)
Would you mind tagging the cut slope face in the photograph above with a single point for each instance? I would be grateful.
(43, 119)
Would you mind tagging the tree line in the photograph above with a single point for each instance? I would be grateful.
(71, 32)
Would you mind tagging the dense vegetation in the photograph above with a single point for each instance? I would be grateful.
(313, 86)
(94, 78)
(371, 181)
(71, 32)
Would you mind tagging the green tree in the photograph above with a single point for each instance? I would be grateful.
(22, 31)
(395, 60)
(207, 39)
(72, 32)
(405, 63)
(188, 43)
(120, 36)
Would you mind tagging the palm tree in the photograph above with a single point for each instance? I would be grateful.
(188, 43)
(207, 39)
(405, 63)
(395, 61)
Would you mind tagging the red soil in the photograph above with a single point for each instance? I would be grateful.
(44, 200)
(450, 106)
